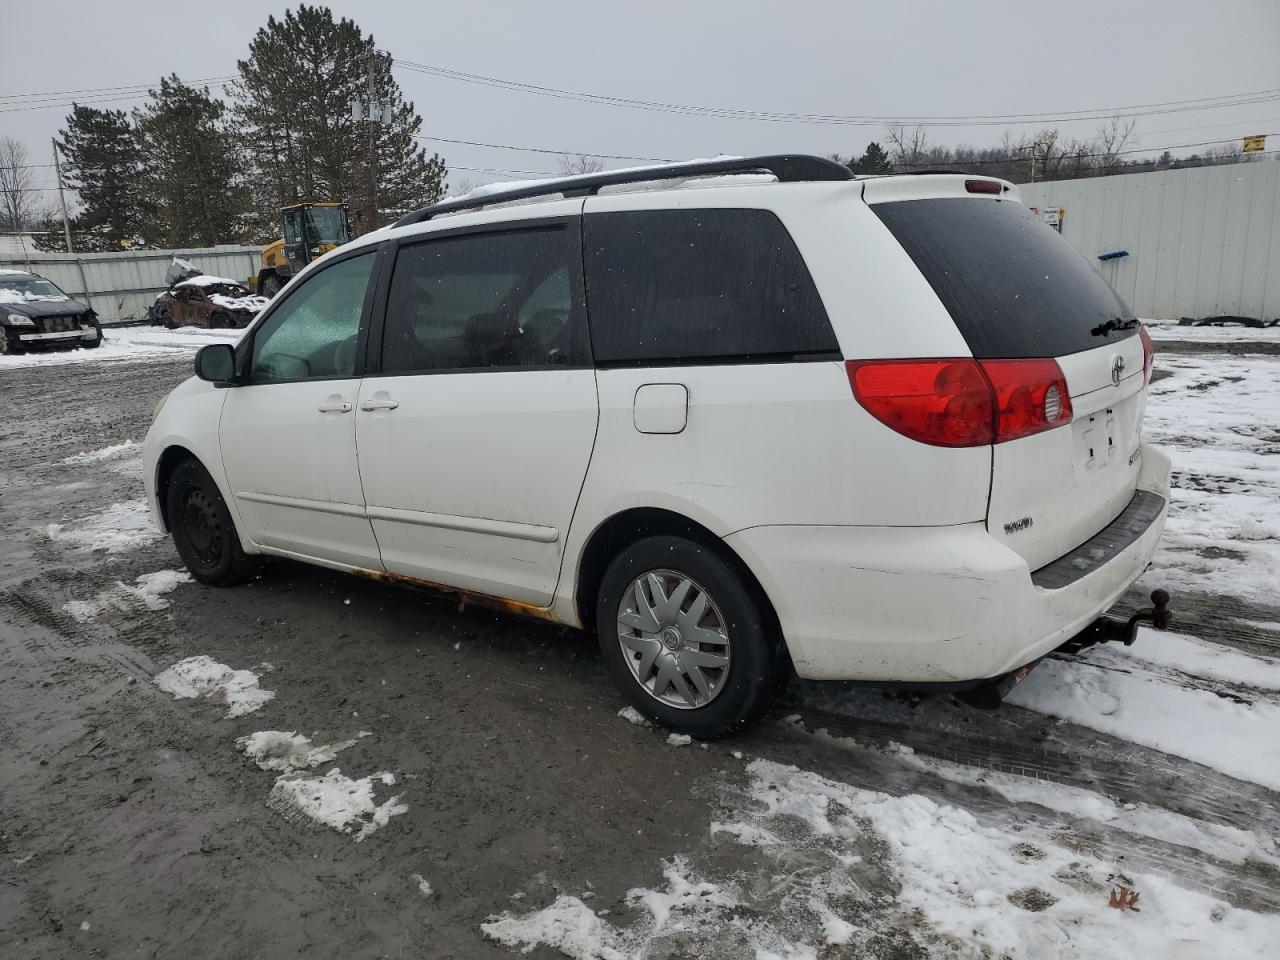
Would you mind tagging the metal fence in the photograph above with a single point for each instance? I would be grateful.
(1197, 243)
(120, 286)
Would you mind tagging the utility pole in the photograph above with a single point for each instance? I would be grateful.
(62, 199)
(66, 224)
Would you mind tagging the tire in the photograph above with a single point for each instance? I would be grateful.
(203, 531)
(271, 286)
(9, 342)
(92, 344)
(655, 661)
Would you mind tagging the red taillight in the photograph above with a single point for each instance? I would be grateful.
(962, 402)
(983, 186)
(1148, 353)
(1031, 396)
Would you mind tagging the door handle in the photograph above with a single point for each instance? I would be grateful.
(377, 404)
(334, 405)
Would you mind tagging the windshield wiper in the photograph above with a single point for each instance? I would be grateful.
(1116, 323)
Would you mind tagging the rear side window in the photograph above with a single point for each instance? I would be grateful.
(671, 286)
(1012, 285)
(500, 299)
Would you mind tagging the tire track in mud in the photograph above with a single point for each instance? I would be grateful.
(1120, 769)
(1253, 885)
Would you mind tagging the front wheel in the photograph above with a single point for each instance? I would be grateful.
(203, 531)
(9, 342)
(686, 638)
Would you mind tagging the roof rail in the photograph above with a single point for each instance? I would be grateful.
(789, 168)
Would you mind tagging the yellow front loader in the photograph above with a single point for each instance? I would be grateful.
(310, 230)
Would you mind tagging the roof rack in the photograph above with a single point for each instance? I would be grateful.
(789, 168)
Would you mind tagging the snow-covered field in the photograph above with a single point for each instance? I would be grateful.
(127, 344)
(1171, 330)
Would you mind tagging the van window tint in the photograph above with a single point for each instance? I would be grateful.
(312, 334)
(502, 299)
(700, 285)
(1012, 285)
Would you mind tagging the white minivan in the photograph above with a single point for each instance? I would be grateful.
(882, 429)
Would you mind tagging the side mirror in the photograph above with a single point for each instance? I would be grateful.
(216, 363)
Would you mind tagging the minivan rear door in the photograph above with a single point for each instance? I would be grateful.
(1017, 290)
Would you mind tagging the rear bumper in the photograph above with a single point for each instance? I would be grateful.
(937, 604)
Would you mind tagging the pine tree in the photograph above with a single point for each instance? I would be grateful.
(104, 167)
(294, 100)
(190, 167)
(874, 161)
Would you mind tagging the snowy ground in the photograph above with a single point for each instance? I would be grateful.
(1171, 330)
(422, 782)
(126, 344)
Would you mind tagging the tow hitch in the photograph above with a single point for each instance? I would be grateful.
(1112, 629)
(988, 694)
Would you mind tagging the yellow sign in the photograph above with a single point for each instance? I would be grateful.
(1255, 144)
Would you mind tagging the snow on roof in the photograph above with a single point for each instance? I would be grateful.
(205, 280)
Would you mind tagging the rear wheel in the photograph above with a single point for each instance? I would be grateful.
(203, 531)
(686, 638)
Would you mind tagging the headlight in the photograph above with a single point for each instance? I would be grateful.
(158, 407)
(18, 320)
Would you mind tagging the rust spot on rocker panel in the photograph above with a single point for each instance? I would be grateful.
(463, 596)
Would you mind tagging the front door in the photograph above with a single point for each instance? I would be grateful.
(288, 432)
(474, 438)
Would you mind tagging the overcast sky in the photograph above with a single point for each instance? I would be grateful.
(917, 58)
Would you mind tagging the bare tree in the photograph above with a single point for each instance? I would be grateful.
(1112, 138)
(575, 166)
(910, 149)
(18, 204)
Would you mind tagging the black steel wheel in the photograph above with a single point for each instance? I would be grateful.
(203, 531)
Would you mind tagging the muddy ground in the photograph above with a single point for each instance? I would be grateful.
(130, 826)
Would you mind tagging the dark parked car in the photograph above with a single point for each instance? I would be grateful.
(36, 314)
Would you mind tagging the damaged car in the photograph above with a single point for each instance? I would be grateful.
(36, 314)
(205, 301)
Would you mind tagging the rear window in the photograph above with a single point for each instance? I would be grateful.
(672, 286)
(1013, 286)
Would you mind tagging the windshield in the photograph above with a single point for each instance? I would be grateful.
(327, 225)
(18, 291)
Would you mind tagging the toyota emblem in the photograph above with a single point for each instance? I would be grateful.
(1117, 369)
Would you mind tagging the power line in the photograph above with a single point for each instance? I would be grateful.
(1094, 113)
(510, 146)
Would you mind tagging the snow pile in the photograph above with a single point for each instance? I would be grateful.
(288, 752)
(679, 739)
(113, 452)
(1167, 692)
(119, 528)
(202, 677)
(632, 715)
(424, 885)
(1171, 331)
(336, 801)
(145, 593)
(686, 908)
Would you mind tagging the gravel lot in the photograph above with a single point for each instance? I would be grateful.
(519, 810)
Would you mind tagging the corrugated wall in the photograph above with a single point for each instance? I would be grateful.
(120, 286)
(1203, 242)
